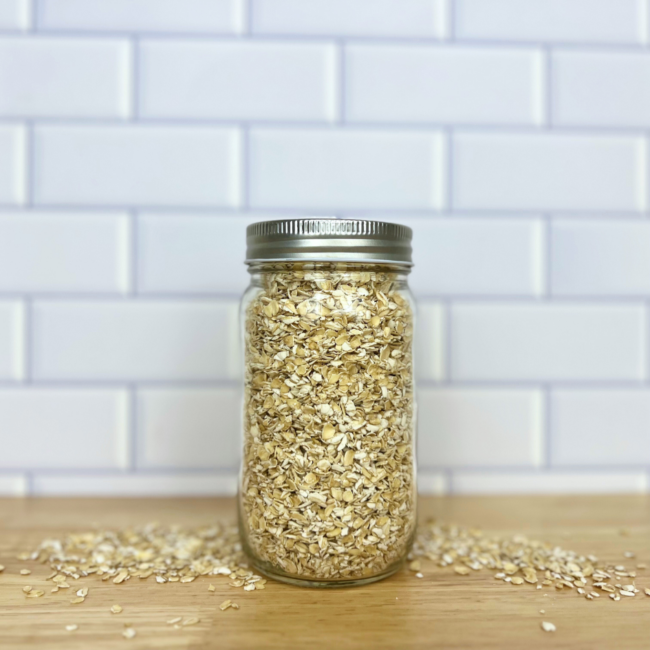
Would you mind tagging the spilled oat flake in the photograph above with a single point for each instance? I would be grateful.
(518, 560)
(167, 552)
(163, 553)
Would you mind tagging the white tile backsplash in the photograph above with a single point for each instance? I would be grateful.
(133, 340)
(13, 485)
(325, 169)
(171, 484)
(600, 427)
(189, 428)
(601, 88)
(474, 256)
(51, 251)
(481, 428)
(466, 85)
(13, 164)
(575, 21)
(177, 16)
(15, 14)
(549, 482)
(50, 428)
(139, 139)
(184, 253)
(65, 77)
(543, 171)
(247, 80)
(600, 257)
(548, 342)
(401, 18)
(12, 340)
(430, 360)
(137, 165)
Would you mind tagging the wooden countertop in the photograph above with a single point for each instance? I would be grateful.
(442, 610)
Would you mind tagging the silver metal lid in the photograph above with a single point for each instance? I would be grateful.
(321, 239)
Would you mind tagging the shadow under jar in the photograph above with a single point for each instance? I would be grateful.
(328, 487)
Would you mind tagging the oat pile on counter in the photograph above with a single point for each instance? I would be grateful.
(518, 560)
(166, 554)
(175, 554)
(328, 482)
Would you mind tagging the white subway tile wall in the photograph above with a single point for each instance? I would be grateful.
(42, 77)
(139, 138)
(15, 14)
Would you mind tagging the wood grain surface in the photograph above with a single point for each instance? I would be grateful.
(441, 610)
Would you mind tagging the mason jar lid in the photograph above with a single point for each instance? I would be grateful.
(322, 239)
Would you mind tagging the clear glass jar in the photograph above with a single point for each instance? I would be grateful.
(328, 479)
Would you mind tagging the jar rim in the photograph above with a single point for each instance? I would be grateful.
(327, 239)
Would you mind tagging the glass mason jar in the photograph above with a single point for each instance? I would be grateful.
(327, 493)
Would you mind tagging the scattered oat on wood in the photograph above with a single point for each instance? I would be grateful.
(548, 627)
(129, 633)
(25, 572)
(35, 593)
(328, 484)
(116, 609)
(77, 601)
(71, 628)
(82, 592)
(2, 568)
(166, 554)
(228, 604)
(518, 559)
(191, 621)
(212, 588)
(173, 621)
(26, 589)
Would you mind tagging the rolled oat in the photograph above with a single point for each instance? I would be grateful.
(328, 488)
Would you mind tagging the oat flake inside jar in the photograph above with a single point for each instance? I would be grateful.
(328, 491)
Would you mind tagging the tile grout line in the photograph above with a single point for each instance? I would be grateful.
(248, 17)
(546, 428)
(29, 163)
(134, 87)
(133, 445)
(434, 41)
(27, 340)
(449, 16)
(323, 124)
(547, 259)
(342, 80)
(448, 202)
(646, 341)
(245, 167)
(32, 9)
(547, 89)
(446, 342)
(132, 256)
(29, 483)
(424, 469)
